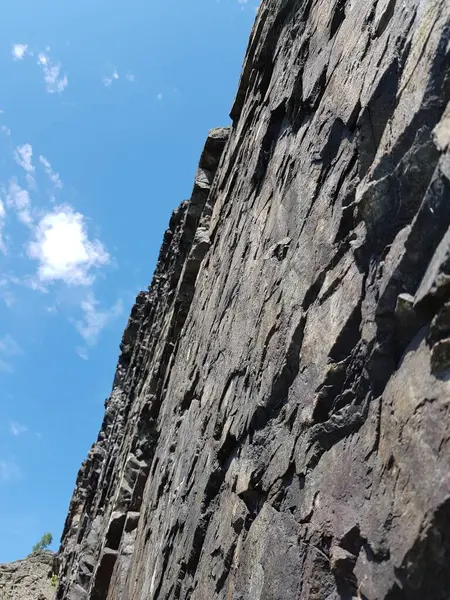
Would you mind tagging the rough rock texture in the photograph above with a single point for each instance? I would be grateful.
(28, 579)
(279, 421)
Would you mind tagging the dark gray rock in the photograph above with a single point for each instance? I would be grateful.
(279, 421)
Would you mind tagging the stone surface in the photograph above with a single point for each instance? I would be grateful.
(278, 426)
(28, 579)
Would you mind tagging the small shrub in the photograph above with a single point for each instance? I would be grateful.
(54, 580)
(44, 543)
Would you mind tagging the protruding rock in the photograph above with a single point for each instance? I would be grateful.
(28, 579)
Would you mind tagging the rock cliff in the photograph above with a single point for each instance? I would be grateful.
(29, 579)
(278, 427)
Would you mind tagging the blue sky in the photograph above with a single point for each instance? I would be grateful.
(104, 110)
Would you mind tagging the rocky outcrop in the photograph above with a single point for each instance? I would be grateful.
(29, 579)
(101, 526)
(279, 420)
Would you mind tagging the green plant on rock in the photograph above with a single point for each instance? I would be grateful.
(54, 580)
(43, 543)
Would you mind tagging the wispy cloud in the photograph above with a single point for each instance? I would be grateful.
(2, 223)
(9, 471)
(82, 353)
(54, 177)
(5, 130)
(5, 366)
(109, 79)
(19, 199)
(24, 156)
(8, 349)
(94, 319)
(17, 429)
(31, 182)
(160, 96)
(9, 346)
(5, 292)
(18, 51)
(55, 82)
(64, 250)
(130, 77)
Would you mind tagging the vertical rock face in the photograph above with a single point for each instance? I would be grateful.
(100, 530)
(279, 421)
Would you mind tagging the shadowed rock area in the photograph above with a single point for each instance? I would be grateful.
(28, 579)
(278, 427)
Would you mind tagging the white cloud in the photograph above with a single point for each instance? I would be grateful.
(55, 83)
(54, 177)
(6, 130)
(108, 80)
(9, 471)
(54, 80)
(64, 250)
(18, 51)
(95, 320)
(130, 77)
(24, 156)
(17, 429)
(19, 200)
